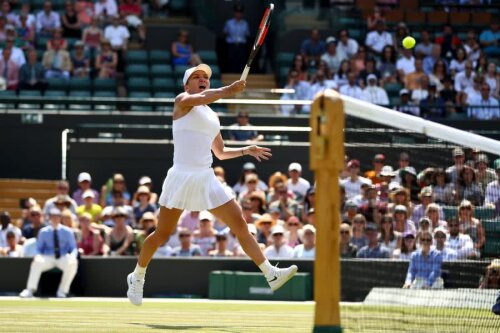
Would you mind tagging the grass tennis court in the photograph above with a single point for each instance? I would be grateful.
(116, 315)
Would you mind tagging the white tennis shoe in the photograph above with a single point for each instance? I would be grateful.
(26, 293)
(135, 289)
(280, 276)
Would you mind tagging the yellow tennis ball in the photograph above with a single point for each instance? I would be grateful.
(409, 42)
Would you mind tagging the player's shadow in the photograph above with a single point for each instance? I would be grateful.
(186, 327)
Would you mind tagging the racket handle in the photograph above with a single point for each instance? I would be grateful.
(245, 73)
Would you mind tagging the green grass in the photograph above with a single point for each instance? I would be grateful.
(228, 317)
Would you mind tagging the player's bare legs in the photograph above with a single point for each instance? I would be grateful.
(230, 213)
(167, 222)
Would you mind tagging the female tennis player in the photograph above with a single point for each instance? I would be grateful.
(191, 183)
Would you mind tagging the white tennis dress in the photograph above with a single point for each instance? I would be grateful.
(191, 183)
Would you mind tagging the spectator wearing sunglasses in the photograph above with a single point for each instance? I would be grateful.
(278, 248)
(347, 248)
(424, 271)
(186, 249)
(448, 253)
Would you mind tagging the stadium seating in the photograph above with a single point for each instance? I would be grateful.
(137, 57)
(161, 71)
(159, 57)
(136, 107)
(138, 84)
(104, 84)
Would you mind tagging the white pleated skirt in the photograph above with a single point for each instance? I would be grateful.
(193, 189)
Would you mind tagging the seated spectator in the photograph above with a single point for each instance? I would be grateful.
(333, 57)
(251, 182)
(5, 11)
(492, 197)
(347, 45)
(117, 34)
(71, 22)
(424, 270)
(425, 45)
(204, 237)
(401, 221)
(353, 183)
(358, 237)
(9, 69)
(80, 62)
(153, 197)
(409, 181)
(7, 226)
(34, 223)
(460, 242)
(61, 198)
(264, 226)
(468, 188)
(454, 171)
(293, 231)
(131, 12)
(406, 64)
(373, 249)
(56, 247)
(320, 82)
(57, 63)
(240, 186)
(340, 77)
(387, 65)
(284, 202)
(115, 184)
(92, 36)
(278, 247)
(189, 220)
(464, 80)
(306, 250)
(373, 93)
(89, 207)
(238, 251)
(3, 29)
(47, 21)
(68, 219)
(182, 51)
(421, 92)
(408, 246)
(389, 238)
(434, 65)
(119, 239)
(369, 69)
(448, 253)
(296, 183)
(386, 184)
(84, 184)
(347, 248)
(412, 80)
(358, 62)
(26, 11)
(186, 249)
(312, 48)
(471, 226)
(492, 78)
(143, 205)
(401, 31)
(484, 107)
(32, 73)
(448, 40)
(472, 47)
(220, 246)
(400, 196)
(12, 248)
(17, 52)
(26, 32)
(147, 225)
(484, 175)
(448, 93)
(489, 40)
(302, 91)
(435, 215)
(105, 11)
(238, 134)
(433, 105)
(376, 40)
(473, 93)
(351, 89)
(373, 18)
(458, 63)
(350, 211)
(407, 105)
(90, 243)
(491, 278)
(85, 12)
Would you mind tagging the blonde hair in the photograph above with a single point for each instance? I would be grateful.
(276, 177)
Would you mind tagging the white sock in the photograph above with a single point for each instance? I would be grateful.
(266, 267)
(139, 271)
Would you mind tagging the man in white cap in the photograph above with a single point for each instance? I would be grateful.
(373, 93)
(296, 183)
(459, 161)
(84, 183)
(56, 247)
(278, 248)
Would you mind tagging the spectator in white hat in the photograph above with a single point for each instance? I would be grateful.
(373, 93)
(278, 248)
(89, 206)
(84, 184)
(296, 183)
(306, 250)
(333, 57)
(144, 204)
(153, 197)
(204, 237)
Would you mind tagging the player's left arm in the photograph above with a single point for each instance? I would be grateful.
(224, 153)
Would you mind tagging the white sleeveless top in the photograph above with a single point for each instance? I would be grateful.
(193, 135)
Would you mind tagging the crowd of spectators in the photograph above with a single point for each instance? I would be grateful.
(384, 213)
(443, 76)
(83, 40)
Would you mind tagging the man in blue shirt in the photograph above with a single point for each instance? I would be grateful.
(374, 249)
(424, 271)
(237, 32)
(490, 39)
(56, 247)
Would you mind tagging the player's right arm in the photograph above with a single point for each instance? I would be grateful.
(186, 100)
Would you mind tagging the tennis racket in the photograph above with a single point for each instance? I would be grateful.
(259, 40)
